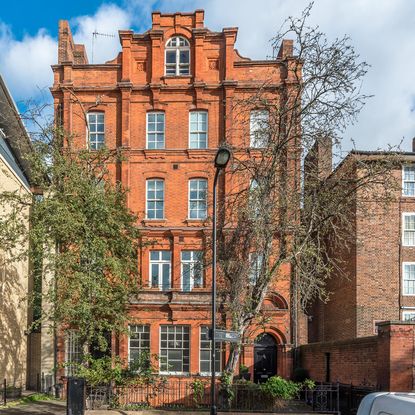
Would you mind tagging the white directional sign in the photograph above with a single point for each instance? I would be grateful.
(227, 336)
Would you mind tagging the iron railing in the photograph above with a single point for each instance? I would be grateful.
(191, 393)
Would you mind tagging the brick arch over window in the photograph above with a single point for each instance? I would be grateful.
(177, 31)
(274, 301)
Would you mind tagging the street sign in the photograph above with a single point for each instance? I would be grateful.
(226, 336)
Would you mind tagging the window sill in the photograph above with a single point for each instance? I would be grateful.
(199, 153)
(208, 374)
(181, 374)
(195, 221)
(154, 222)
(155, 153)
(177, 77)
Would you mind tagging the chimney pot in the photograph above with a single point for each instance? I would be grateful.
(413, 145)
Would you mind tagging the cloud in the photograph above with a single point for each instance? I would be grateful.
(25, 63)
(382, 31)
(108, 19)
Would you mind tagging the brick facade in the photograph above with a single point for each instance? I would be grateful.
(125, 90)
(385, 360)
(373, 263)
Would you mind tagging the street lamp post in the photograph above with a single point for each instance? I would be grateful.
(221, 160)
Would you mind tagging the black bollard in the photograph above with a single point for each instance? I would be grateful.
(75, 397)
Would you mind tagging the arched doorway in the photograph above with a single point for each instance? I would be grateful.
(265, 357)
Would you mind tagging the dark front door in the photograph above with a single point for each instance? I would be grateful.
(265, 358)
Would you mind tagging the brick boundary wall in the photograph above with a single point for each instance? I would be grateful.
(386, 360)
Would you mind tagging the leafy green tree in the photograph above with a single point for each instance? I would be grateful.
(83, 239)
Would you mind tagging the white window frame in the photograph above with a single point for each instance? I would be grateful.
(160, 262)
(404, 215)
(177, 49)
(73, 351)
(202, 373)
(157, 132)
(155, 200)
(255, 141)
(405, 166)
(192, 263)
(408, 312)
(198, 132)
(140, 348)
(403, 279)
(89, 132)
(198, 200)
(168, 372)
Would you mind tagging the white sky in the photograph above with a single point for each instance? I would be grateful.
(382, 31)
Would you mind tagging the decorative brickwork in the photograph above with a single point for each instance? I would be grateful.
(129, 88)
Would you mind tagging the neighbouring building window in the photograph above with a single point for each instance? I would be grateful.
(138, 341)
(408, 316)
(160, 269)
(409, 229)
(409, 278)
(259, 128)
(197, 199)
(408, 180)
(155, 199)
(73, 352)
(155, 130)
(198, 129)
(205, 348)
(255, 261)
(96, 130)
(174, 349)
(177, 56)
(192, 270)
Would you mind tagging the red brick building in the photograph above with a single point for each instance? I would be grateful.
(364, 333)
(166, 101)
(380, 267)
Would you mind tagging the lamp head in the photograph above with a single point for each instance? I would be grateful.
(222, 157)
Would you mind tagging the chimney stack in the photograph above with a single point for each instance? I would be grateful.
(413, 145)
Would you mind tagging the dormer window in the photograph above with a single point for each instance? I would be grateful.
(177, 56)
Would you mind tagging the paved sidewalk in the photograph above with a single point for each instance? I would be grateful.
(59, 408)
(37, 408)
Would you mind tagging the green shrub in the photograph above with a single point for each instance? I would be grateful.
(309, 384)
(300, 374)
(198, 387)
(279, 388)
(243, 369)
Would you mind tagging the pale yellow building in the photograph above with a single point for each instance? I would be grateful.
(15, 277)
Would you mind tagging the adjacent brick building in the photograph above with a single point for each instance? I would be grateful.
(380, 268)
(166, 101)
(364, 333)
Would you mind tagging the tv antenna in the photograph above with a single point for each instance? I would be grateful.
(95, 35)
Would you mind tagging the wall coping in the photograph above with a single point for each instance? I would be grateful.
(395, 323)
(357, 340)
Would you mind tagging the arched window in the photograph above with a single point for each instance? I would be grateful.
(177, 56)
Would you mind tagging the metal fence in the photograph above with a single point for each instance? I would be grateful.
(188, 394)
(10, 391)
(351, 396)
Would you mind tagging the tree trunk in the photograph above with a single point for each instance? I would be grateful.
(233, 358)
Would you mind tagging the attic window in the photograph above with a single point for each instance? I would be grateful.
(177, 56)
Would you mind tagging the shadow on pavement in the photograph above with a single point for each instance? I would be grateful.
(38, 408)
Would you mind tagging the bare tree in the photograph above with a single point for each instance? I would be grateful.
(283, 214)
